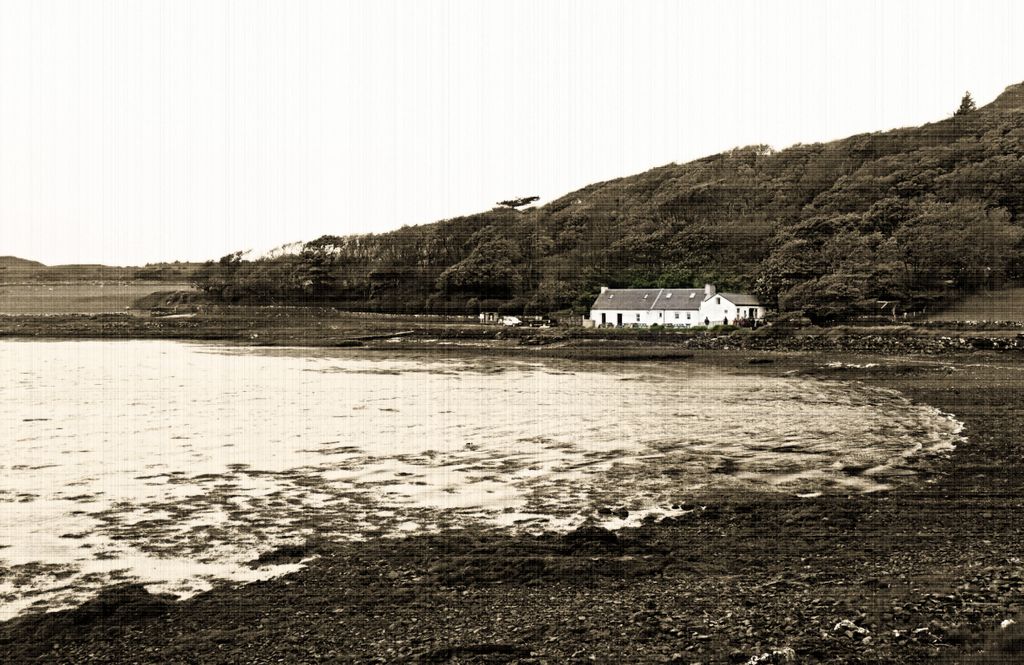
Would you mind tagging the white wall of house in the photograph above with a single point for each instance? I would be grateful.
(715, 310)
(630, 317)
(660, 317)
(682, 319)
(718, 308)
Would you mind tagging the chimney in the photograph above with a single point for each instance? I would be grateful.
(603, 289)
(709, 290)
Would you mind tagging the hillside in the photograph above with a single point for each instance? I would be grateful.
(14, 263)
(14, 270)
(915, 216)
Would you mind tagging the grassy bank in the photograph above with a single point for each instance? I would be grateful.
(1001, 305)
(77, 297)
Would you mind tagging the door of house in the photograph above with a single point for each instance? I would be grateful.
(618, 319)
(604, 318)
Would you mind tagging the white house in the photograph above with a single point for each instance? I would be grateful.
(673, 307)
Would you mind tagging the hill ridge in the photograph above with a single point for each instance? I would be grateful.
(913, 216)
(17, 262)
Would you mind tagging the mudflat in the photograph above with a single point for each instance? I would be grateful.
(928, 569)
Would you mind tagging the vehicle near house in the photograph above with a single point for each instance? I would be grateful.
(684, 308)
(506, 320)
(536, 321)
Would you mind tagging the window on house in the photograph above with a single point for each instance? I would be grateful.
(718, 301)
(638, 317)
(677, 315)
(687, 316)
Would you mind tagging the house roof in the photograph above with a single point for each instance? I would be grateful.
(663, 299)
(650, 299)
(680, 299)
(740, 299)
(642, 299)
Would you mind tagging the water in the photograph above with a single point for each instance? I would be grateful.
(175, 464)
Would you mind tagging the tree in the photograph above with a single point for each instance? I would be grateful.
(827, 300)
(795, 262)
(313, 275)
(518, 203)
(961, 242)
(966, 105)
(491, 270)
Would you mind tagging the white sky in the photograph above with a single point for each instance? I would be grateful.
(145, 130)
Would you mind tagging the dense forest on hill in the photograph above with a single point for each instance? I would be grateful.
(914, 216)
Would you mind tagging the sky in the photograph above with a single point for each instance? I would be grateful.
(135, 131)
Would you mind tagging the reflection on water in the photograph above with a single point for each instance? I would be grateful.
(177, 463)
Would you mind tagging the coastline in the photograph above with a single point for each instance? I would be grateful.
(938, 554)
(326, 327)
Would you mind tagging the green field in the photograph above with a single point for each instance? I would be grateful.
(77, 298)
(1002, 305)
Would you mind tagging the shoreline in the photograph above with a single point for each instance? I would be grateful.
(667, 588)
(313, 327)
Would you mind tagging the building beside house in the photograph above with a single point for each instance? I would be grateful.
(490, 317)
(673, 307)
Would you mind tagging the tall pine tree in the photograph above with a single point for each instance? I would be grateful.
(966, 105)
